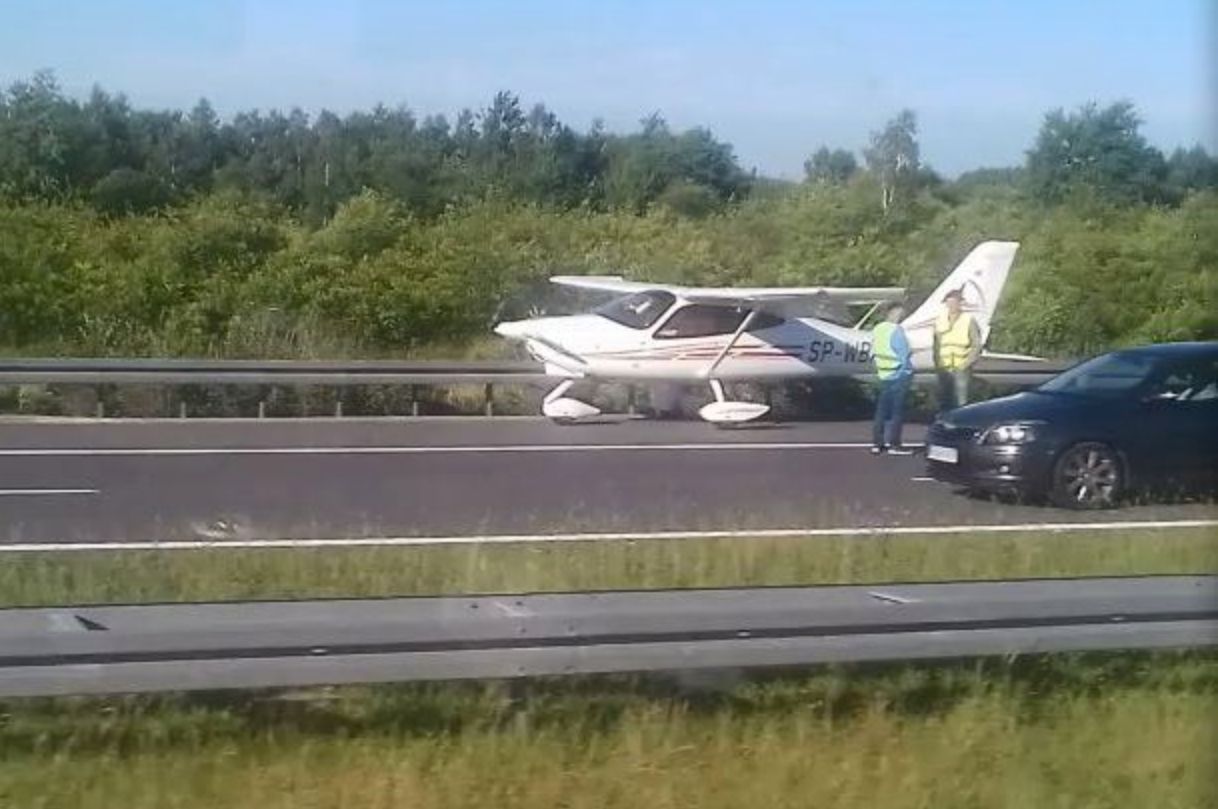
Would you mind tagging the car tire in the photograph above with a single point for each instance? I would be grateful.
(1088, 476)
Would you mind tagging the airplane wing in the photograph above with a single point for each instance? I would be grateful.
(763, 296)
(753, 297)
(605, 283)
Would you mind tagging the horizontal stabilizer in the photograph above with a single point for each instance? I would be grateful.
(992, 355)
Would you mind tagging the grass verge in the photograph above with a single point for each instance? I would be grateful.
(141, 576)
(1095, 731)
(1067, 730)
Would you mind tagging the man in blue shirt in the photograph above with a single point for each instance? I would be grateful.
(894, 366)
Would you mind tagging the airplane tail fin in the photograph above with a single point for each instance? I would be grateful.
(980, 279)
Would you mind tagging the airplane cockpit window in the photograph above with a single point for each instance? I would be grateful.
(698, 320)
(702, 320)
(765, 320)
(638, 311)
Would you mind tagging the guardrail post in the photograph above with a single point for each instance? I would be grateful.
(631, 405)
(262, 409)
(338, 408)
(414, 401)
(489, 393)
(182, 409)
(101, 408)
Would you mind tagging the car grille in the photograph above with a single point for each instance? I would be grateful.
(943, 433)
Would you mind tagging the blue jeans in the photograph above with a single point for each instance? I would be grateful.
(953, 389)
(890, 412)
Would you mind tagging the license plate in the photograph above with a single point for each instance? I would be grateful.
(943, 454)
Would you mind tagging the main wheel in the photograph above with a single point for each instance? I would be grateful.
(1088, 476)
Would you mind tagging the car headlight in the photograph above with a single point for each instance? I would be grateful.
(1019, 433)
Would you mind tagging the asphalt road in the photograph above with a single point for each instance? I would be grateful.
(160, 481)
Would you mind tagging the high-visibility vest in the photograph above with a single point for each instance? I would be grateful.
(887, 363)
(955, 340)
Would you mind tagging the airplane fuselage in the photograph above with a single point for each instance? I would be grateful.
(594, 346)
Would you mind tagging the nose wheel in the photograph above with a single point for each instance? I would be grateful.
(724, 412)
(564, 409)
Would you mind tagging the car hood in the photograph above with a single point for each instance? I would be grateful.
(1026, 406)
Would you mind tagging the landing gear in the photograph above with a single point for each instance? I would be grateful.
(564, 410)
(725, 412)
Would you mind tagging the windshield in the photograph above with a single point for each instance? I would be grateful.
(638, 311)
(1109, 376)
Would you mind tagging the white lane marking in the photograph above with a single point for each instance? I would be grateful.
(374, 450)
(43, 492)
(922, 480)
(505, 539)
(893, 599)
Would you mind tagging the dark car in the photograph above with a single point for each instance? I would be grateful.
(1144, 418)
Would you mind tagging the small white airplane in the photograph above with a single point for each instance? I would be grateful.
(667, 333)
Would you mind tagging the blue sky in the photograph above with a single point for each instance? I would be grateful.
(776, 78)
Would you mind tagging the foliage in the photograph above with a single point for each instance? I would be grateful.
(826, 166)
(1097, 276)
(1100, 731)
(377, 279)
(147, 233)
(893, 158)
(131, 161)
(1096, 149)
(218, 574)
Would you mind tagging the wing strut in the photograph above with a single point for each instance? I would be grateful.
(744, 324)
(867, 316)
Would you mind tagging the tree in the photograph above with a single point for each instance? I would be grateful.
(893, 158)
(830, 167)
(35, 151)
(642, 166)
(689, 199)
(503, 122)
(1099, 150)
(128, 191)
(125, 160)
(1191, 170)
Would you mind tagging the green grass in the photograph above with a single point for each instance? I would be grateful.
(138, 576)
(1095, 731)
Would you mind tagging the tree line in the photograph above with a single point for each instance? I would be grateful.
(119, 159)
(130, 232)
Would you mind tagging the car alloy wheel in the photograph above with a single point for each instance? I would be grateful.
(1087, 476)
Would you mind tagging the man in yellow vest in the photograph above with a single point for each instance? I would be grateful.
(957, 347)
(893, 358)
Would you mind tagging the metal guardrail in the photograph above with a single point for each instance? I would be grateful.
(262, 372)
(104, 649)
(346, 373)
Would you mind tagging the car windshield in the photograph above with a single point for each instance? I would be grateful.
(1110, 376)
(638, 311)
